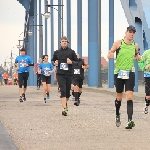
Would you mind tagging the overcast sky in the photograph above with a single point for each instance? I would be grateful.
(12, 24)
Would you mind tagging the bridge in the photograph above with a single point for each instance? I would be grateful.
(33, 125)
(136, 12)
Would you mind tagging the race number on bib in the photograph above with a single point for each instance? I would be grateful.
(146, 74)
(47, 73)
(22, 65)
(64, 66)
(76, 71)
(123, 74)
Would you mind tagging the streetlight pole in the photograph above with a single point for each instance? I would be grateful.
(46, 2)
(11, 58)
(99, 45)
(47, 15)
(40, 32)
(40, 38)
(62, 19)
(59, 23)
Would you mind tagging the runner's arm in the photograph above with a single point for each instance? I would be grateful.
(137, 56)
(86, 66)
(141, 62)
(16, 61)
(31, 63)
(39, 68)
(115, 46)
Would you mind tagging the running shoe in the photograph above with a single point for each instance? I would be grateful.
(130, 124)
(145, 110)
(117, 120)
(64, 112)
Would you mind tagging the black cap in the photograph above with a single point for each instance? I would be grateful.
(131, 28)
(23, 49)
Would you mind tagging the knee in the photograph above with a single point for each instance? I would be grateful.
(63, 92)
(76, 88)
(119, 96)
(80, 90)
(129, 95)
(148, 97)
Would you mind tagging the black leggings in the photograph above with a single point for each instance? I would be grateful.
(64, 82)
(23, 78)
(38, 80)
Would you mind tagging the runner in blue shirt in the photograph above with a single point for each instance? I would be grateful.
(46, 69)
(23, 62)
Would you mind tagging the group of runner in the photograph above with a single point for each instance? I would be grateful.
(70, 71)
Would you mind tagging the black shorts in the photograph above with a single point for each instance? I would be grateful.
(46, 79)
(78, 82)
(23, 77)
(147, 86)
(128, 83)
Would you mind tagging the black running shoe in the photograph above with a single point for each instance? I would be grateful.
(76, 103)
(44, 101)
(23, 97)
(21, 100)
(145, 110)
(64, 112)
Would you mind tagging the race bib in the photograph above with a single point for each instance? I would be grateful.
(123, 74)
(146, 74)
(22, 65)
(47, 73)
(76, 71)
(64, 66)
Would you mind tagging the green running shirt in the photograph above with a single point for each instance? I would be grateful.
(145, 60)
(125, 57)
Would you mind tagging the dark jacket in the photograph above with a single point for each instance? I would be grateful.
(77, 66)
(61, 55)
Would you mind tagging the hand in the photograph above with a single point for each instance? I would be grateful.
(56, 63)
(26, 65)
(147, 66)
(69, 61)
(39, 71)
(110, 55)
(51, 72)
(83, 66)
(137, 58)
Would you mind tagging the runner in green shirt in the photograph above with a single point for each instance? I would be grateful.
(144, 65)
(126, 52)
